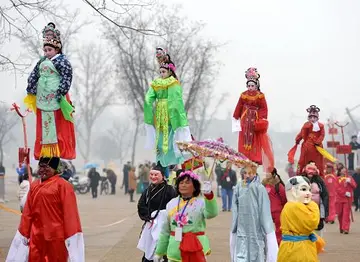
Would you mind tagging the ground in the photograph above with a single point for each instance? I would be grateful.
(111, 229)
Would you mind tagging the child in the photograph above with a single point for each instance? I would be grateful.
(252, 226)
(48, 87)
(344, 200)
(276, 190)
(169, 123)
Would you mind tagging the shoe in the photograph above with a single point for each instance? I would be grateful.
(229, 210)
(332, 222)
(346, 232)
(224, 210)
(341, 231)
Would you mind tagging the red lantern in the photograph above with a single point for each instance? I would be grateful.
(333, 131)
(332, 144)
(343, 149)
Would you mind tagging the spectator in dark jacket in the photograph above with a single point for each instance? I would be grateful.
(227, 181)
(111, 176)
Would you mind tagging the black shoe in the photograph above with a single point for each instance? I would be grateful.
(229, 210)
(224, 210)
(332, 222)
(346, 232)
(341, 231)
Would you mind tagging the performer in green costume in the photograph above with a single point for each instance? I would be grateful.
(168, 122)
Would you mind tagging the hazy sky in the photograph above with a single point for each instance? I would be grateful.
(307, 52)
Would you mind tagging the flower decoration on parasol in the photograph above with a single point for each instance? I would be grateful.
(216, 149)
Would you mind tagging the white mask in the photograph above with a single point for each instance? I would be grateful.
(298, 190)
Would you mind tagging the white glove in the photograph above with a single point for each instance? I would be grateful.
(206, 187)
(271, 247)
(219, 187)
(347, 180)
(158, 258)
(348, 194)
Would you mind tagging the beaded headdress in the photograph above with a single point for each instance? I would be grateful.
(51, 36)
(170, 66)
(313, 111)
(252, 75)
(162, 55)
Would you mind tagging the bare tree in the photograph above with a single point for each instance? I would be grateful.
(193, 55)
(115, 12)
(7, 121)
(115, 143)
(69, 25)
(94, 93)
(16, 16)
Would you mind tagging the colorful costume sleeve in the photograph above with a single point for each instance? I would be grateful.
(150, 98)
(33, 78)
(298, 138)
(64, 68)
(148, 106)
(211, 208)
(176, 107)
(263, 109)
(178, 117)
(322, 135)
(238, 109)
(74, 239)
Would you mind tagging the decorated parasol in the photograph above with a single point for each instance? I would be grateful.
(217, 150)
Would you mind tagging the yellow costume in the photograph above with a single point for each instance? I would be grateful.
(300, 244)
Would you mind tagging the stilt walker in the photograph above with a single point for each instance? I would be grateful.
(50, 228)
(250, 120)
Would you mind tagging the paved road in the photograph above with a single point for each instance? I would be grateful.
(111, 229)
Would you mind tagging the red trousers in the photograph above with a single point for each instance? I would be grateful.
(276, 219)
(343, 212)
(47, 251)
(332, 209)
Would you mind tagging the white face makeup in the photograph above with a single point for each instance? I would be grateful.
(251, 86)
(303, 193)
(298, 190)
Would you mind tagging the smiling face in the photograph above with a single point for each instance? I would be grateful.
(156, 177)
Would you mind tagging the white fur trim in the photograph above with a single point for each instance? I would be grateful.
(182, 134)
(235, 125)
(150, 137)
(272, 247)
(76, 247)
(18, 252)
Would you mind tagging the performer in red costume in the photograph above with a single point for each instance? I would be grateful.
(331, 182)
(313, 133)
(50, 225)
(250, 116)
(345, 196)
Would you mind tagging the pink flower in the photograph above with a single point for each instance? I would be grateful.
(181, 221)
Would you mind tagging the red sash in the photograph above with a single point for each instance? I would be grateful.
(191, 248)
